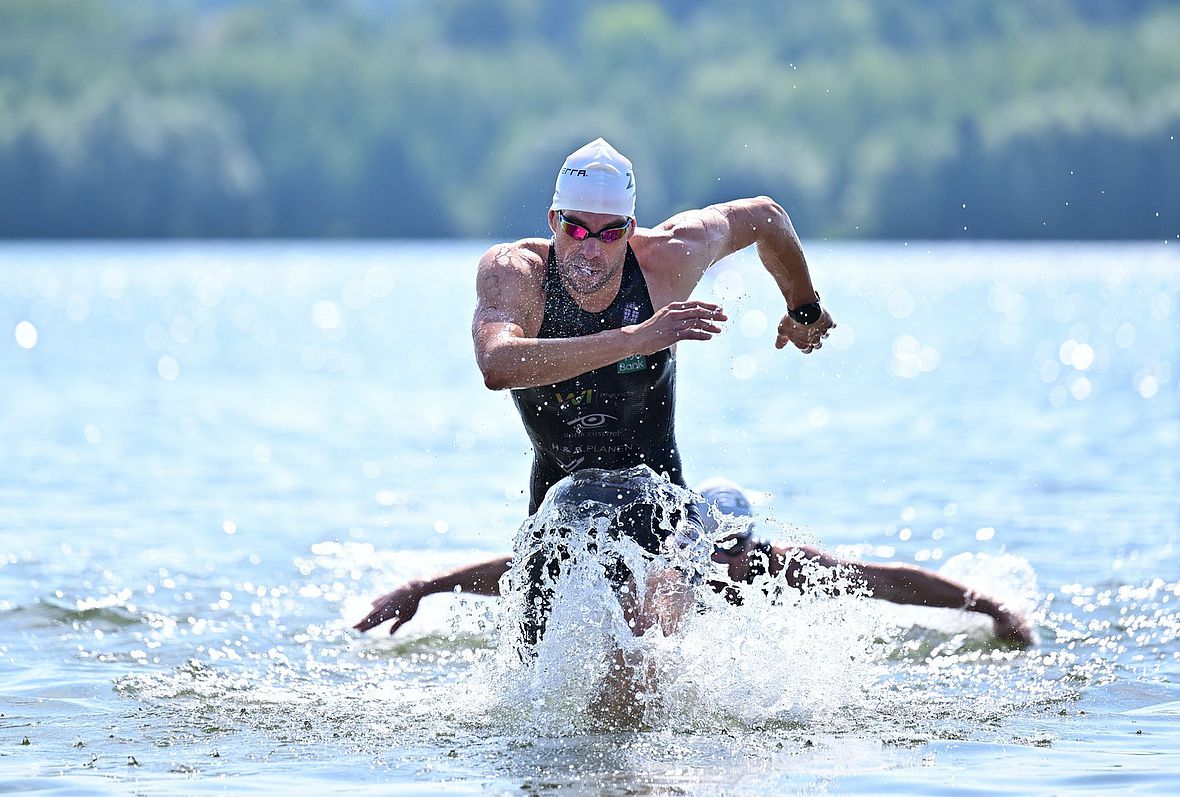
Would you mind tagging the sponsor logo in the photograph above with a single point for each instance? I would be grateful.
(629, 365)
(572, 465)
(591, 449)
(576, 173)
(630, 313)
(630, 181)
(594, 420)
(575, 399)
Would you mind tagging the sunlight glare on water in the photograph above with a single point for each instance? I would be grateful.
(217, 455)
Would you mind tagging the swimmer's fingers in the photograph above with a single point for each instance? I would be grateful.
(370, 620)
(1014, 629)
(399, 605)
(690, 320)
(693, 320)
(696, 313)
(697, 304)
(805, 337)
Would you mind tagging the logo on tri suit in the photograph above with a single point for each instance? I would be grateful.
(594, 420)
(630, 313)
(572, 465)
(575, 399)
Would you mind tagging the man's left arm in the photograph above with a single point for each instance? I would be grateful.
(898, 583)
(763, 223)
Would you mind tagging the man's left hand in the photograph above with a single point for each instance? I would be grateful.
(399, 605)
(1014, 629)
(806, 337)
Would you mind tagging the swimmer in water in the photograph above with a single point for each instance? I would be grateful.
(744, 558)
(582, 328)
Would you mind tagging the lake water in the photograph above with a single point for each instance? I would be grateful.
(213, 455)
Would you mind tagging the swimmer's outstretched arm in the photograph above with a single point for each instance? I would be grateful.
(400, 605)
(804, 568)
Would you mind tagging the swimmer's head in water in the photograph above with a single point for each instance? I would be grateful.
(722, 501)
(648, 508)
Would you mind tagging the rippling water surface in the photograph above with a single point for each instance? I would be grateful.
(213, 455)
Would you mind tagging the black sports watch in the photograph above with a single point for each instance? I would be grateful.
(806, 314)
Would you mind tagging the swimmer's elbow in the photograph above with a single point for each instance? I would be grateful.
(495, 380)
(495, 375)
(776, 214)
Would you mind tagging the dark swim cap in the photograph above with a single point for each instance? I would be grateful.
(726, 498)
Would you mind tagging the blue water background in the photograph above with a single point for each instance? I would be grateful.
(211, 455)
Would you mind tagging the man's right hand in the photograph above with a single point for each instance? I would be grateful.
(400, 605)
(690, 320)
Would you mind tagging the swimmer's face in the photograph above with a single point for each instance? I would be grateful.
(736, 559)
(586, 262)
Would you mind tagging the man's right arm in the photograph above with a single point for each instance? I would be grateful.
(508, 316)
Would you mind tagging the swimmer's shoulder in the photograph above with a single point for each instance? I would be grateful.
(510, 283)
(519, 264)
(526, 257)
(676, 253)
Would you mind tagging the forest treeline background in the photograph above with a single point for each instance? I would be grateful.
(439, 118)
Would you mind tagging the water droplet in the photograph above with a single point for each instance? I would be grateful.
(1081, 388)
(1124, 336)
(1082, 357)
(819, 417)
(168, 368)
(1148, 386)
(325, 314)
(210, 291)
(26, 335)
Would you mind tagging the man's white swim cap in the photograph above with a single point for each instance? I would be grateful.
(596, 179)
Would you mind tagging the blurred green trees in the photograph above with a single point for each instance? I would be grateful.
(893, 118)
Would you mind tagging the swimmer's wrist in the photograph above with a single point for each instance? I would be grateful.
(422, 588)
(629, 340)
(984, 605)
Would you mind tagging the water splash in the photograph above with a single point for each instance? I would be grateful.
(745, 658)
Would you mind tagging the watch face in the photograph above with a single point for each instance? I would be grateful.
(806, 314)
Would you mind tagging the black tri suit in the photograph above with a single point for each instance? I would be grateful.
(614, 417)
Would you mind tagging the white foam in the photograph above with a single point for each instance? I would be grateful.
(780, 656)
